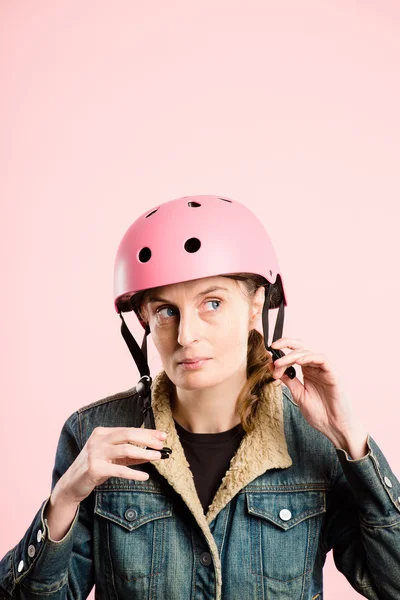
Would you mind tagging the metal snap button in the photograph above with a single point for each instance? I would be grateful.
(205, 559)
(20, 566)
(39, 536)
(130, 514)
(387, 481)
(31, 550)
(285, 514)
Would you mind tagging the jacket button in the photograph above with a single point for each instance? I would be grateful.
(31, 551)
(20, 566)
(130, 514)
(387, 481)
(205, 559)
(40, 535)
(285, 514)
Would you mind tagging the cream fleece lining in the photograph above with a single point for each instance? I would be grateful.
(262, 449)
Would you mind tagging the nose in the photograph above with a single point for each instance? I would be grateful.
(189, 327)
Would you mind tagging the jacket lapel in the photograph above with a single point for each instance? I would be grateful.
(176, 468)
(262, 449)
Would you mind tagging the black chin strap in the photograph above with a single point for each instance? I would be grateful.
(276, 353)
(143, 387)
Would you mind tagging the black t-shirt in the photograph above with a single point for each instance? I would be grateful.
(209, 455)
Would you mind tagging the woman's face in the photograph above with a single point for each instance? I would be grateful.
(189, 320)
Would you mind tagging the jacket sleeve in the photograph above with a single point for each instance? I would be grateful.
(363, 524)
(39, 567)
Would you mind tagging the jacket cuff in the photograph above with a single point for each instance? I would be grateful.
(37, 558)
(374, 485)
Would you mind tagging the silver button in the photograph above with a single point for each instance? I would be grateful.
(130, 514)
(398, 499)
(39, 536)
(31, 551)
(285, 514)
(387, 481)
(20, 566)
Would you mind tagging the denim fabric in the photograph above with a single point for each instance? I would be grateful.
(139, 540)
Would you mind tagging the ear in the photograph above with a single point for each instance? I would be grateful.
(257, 306)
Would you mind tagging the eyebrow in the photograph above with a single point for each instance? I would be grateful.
(214, 288)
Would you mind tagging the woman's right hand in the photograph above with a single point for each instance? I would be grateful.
(107, 453)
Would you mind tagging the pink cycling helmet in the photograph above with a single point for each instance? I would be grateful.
(190, 238)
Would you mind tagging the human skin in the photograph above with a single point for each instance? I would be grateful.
(107, 453)
(204, 400)
(321, 400)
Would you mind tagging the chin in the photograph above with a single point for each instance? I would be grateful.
(192, 380)
(189, 376)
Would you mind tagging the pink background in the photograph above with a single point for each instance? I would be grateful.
(107, 109)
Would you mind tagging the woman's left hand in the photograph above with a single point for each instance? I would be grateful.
(321, 401)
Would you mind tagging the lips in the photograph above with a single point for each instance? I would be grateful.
(192, 364)
(193, 360)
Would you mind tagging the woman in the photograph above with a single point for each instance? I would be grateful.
(263, 474)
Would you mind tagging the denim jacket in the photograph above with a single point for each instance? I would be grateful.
(288, 497)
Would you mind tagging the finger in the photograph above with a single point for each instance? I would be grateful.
(137, 436)
(155, 432)
(315, 360)
(286, 342)
(128, 450)
(290, 357)
(282, 363)
(313, 365)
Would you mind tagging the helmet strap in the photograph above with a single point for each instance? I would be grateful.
(143, 387)
(276, 353)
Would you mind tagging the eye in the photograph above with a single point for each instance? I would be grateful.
(161, 309)
(169, 308)
(214, 301)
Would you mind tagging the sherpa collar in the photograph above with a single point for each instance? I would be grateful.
(262, 449)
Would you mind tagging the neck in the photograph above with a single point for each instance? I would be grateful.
(211, 409)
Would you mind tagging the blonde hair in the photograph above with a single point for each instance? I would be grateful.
(259, 360)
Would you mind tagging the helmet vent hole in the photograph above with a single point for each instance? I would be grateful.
(152, 213)
(225, 199)
(144, 255)
(270, 272)
(192, 245)
(193, 204)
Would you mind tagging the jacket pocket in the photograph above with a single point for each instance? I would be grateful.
(284, 532)
(134, 525)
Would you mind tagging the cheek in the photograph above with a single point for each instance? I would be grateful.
(162, 340)
(234, 337)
